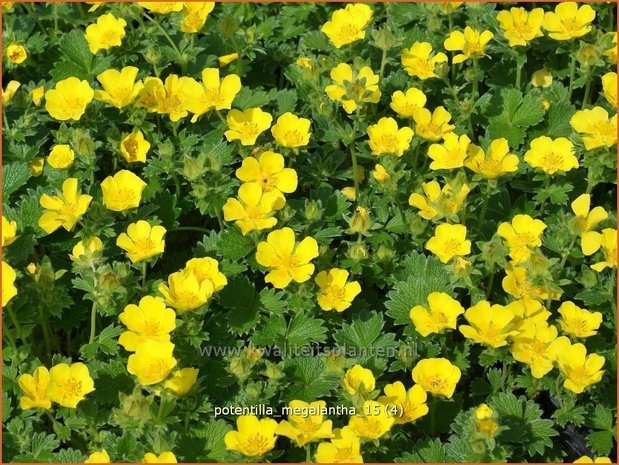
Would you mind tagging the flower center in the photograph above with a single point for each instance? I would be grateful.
(256, 444)
(71, 388)
(131, 146)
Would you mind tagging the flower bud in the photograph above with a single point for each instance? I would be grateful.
(312, 210)
(360, 222)
(358, 252)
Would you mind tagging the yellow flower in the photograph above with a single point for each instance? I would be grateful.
(522, 236)
(86, 250)
(65, 210)
(568, 21)
(449, 7)
(520, 26)
(587, 459)
(609, 85)
(495, 163)
(9, 92)
(169, 98)
(36, 95)
(586, 220)
(538, 346)
(254, 209)
(489, 325)
(611, 53)
(247, 125)
(405, 105)
(345, 447)
(419, 62)
(34, 386)
(437, 202)
(552, 156)
(106, 33)
(119, 87)
(269, 172)
(164, 457)
(595, 128)
(123, 191)
(449, 241)
(437, 376)
(291, 131)
(352, 89)
(151, 95)
(69, 384)
(195, 15)
(68, 99)
(36, 166)
(579, 322)
(608, 242)
(207, 269)
(442, 314)
(163, 8)
(386, 138)
(541, 78)
(471, 43)
(225, 60)
(373, 422)
(348, 24)
(409, 405)
(185, 292)
(287, 260)
(253, 437)
(16, 53)
(61, 157)
(527, 310)
(181, 381)
(517, 283)
(9, 231)
(305, 63)
(349, 193)
(149, 320)
(579, 369)
(380, 174)
(98, 457)
(7, 6)
(141, 241)
(485, 420)
(432, 126)
(152, 362)
(358, 380)
(305, 423)
(452, 152)
(335, 292)
(212, 93)
(134, 147)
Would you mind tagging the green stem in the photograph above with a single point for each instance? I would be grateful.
(383, 62)
(453, 65)
(546, 186)
(432, 416)
(45, 329)
(308, 453)
(220, 220)
(518, 74)
(475, 80)
(567, 253)
(353, 155)
(585, 99)
(221, 117)
(93, 323)
(177, 185)
(489, 288)
(181, 58)
(416, 157)
(572, 76)
(15, 322)
(6, 332)
(6, 121)
(190, 228)
(143, 274)
(484, 207)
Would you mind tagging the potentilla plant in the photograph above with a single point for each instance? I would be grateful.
(332, 233)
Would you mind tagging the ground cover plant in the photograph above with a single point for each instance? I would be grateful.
(257, 232)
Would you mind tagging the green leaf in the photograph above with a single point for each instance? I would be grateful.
(601, 442)
(214, 432)
(602, 418)
(308, 380)
(251, 98)
(315, 40)
(233, 245)
(366, 333)
(239, 296)
(272, 301)
(14, 176)
(426, 451)
(304, 329)
(530, 111)
(422, 276)
(74, 48)
(527, 428)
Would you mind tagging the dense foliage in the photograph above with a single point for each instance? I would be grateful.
(396, 220)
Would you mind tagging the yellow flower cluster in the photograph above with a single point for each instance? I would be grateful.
(66, 385)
